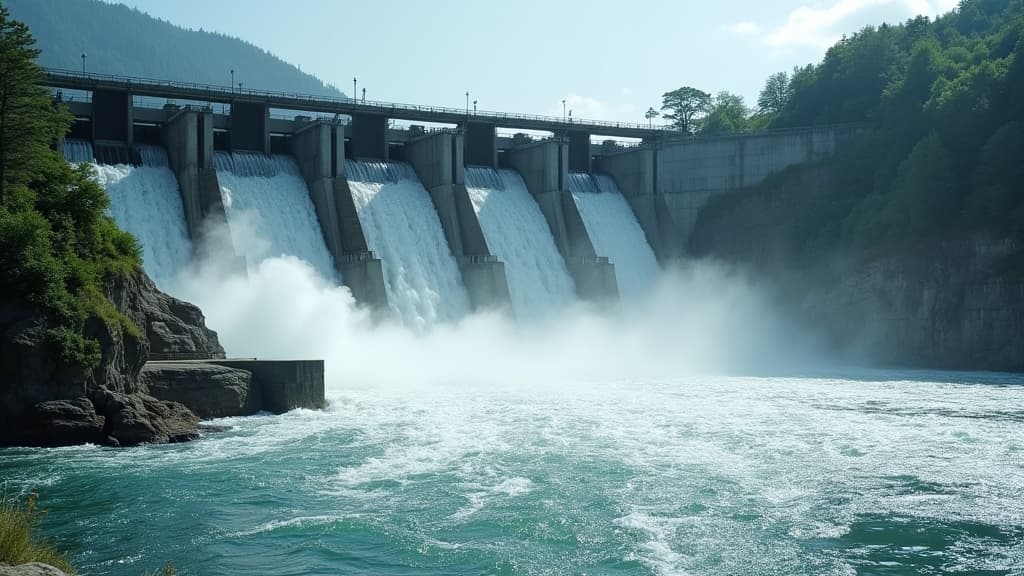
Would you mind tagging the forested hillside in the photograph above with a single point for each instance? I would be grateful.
(944, 103)
(124, 41)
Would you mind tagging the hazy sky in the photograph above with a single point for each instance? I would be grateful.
(609, 59)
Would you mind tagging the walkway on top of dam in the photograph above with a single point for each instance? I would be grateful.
(71, 80)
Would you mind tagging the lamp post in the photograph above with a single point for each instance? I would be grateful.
(570, 116)
(364, 95)
(84, 56)
(563, 110)
(355, 92)
(239, 87)
(474, 107)
(467, 102)
(232, 79)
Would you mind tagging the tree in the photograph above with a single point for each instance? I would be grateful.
(775, 94)
(28, 123)
(685, 107)
(651, 114)
(728, 113)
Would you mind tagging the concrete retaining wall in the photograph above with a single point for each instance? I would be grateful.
(284, 384)
(668, 184)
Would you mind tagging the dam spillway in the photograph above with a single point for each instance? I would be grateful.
(615, 233)
(269, 210)
(515, 229)
(401, 225)
(145, 201)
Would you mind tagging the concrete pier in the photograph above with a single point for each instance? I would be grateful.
(369, 136)
(438, 161)
(544, 167)
(188, 137)
(250, 122)
(480, 144)
(636, 174)
(318, 148)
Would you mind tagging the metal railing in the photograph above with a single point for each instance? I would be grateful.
(590, 260)
(203, 92)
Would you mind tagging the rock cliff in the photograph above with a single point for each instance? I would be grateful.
(44, 400)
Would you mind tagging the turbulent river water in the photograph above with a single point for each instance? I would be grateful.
(863, 473)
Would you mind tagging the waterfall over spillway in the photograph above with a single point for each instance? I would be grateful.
(145, 201)
(615, 233)
(421, 276)
(517, 233)
(269, 210)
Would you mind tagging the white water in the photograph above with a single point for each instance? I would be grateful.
(266, 198)
(145, 201)
(615, 233)
(421, 276)
(516, 232)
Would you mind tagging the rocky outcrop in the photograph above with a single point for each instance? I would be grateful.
(172, 327)
(45, 400)
(209, 390)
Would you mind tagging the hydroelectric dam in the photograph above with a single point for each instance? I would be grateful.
(429, 220)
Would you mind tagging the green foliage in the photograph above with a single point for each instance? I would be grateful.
(18, 542)
(775, 94)
(124, 41)
(57, 245)
(943, 103)
(685, 107)
(727, 113)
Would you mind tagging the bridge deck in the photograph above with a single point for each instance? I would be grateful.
(70, 80)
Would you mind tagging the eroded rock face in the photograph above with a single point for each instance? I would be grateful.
(209, 390)
(46, 401)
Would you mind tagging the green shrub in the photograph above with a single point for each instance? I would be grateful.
(18, 542)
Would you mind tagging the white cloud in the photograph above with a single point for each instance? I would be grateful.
(744, 28)
(822, 27)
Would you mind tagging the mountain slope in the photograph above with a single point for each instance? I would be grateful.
(124, 41)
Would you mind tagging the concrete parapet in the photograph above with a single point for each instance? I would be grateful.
(544, 167)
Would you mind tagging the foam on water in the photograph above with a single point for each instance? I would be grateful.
(700, 476)
(145, 201)
(516, 231)
(269, 210)
(422, 278)
(616, 234)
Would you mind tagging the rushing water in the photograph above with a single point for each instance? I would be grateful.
(883, 474)
(421, 276)
(517, 233)
(145, 201)
(616, 234)
(269, 210)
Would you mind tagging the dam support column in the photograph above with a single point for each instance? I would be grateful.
(636, 174)
(250, 126)
(113, 132)
(188, 138)
(579, 151)
(319, 150)
(369, 134)
(481, 146)
(438, 161)
(544, 167)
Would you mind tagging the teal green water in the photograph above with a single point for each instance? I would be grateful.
(886, 474)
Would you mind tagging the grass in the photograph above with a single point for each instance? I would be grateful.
(18, 542)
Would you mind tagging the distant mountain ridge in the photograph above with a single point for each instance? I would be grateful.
(125, 41)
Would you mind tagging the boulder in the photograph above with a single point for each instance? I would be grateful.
(64, 422)
(30, 569)
(208, 390)
(133, 419)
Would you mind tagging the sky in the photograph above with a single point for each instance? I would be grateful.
(607, 59)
